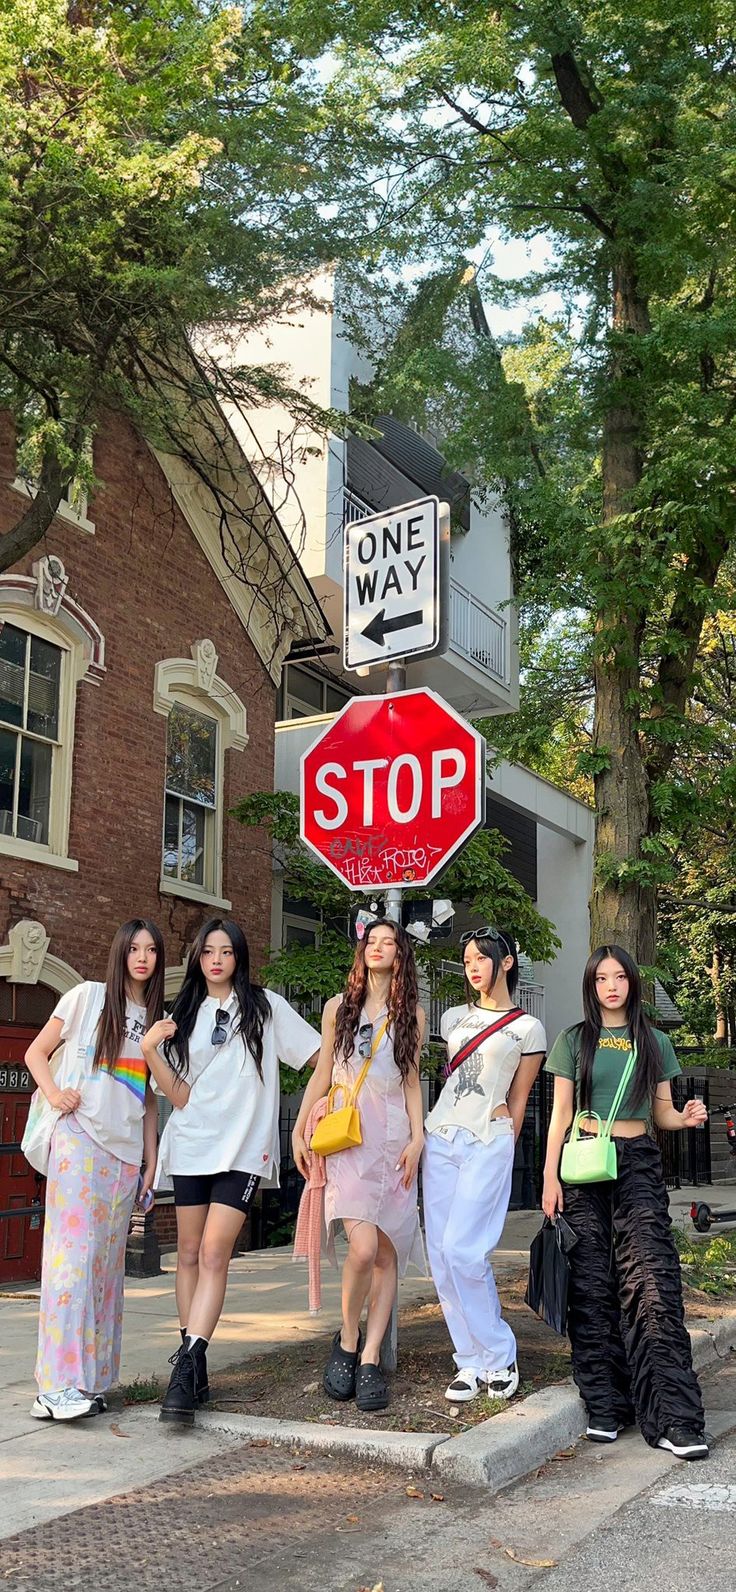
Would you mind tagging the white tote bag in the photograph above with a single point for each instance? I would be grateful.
(68, 1067)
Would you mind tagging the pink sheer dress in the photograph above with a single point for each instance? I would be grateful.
(363, 1183)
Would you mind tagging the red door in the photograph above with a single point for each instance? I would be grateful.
(21, 1189)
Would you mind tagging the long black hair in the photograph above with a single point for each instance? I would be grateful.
(495, 950)
(251, 998)
(587, 1034)
(111, 1026)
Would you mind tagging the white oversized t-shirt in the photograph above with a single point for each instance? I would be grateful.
(113, 1097)
(481, 1084)
(231, 1119)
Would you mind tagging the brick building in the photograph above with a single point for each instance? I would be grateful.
(140, 651)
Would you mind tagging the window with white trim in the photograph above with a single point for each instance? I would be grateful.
(192, 794)
(304, 693)
(205, 720)
(31, 673)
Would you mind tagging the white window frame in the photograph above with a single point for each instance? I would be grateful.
(75, 513)
(194, 683)
(73, 667)
(291, 920)
(309, 711)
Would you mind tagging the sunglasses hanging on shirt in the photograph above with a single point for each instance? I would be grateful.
(219, 1032)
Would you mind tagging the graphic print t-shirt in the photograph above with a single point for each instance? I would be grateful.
(113, 1098)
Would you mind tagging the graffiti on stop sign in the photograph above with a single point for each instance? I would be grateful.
(392, 789)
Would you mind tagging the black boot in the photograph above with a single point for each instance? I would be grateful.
(199, 1350)
(184, 1392)
(203, 1387)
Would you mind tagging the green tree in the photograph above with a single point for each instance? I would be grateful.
(477, 877)
(611, 132)
(159, 166)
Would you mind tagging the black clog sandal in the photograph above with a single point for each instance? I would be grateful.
(371, 1389)
(340, 1371)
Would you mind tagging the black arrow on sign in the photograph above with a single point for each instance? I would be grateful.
(378, 627)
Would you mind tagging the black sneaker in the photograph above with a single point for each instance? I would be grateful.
(187, 1385)
(603, 1428)
(685, 1442)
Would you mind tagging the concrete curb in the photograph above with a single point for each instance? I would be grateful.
(490, 1455)
(512, 1444)
(409, 1450)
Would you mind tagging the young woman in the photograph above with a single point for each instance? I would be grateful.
(220, 1070)
(371, 1188)
(630, 1348)
(469, 1157)
(106, 1128)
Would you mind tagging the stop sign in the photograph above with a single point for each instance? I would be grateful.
(391, 789)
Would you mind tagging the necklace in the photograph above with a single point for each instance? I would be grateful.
(616, 1035)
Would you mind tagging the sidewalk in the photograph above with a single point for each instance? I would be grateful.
(45, 1471)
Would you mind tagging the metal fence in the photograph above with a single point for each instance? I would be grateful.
(686, 1158)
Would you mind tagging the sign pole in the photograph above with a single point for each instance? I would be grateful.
(389, 1356)
(395, 681)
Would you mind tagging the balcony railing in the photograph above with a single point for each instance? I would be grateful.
(529, 996)
(477, 632)
(354, 508)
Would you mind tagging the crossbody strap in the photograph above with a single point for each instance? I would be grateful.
(350, 1095)
(621, 1091)
(479, 1039)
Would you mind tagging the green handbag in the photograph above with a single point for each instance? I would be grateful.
(593, 1160)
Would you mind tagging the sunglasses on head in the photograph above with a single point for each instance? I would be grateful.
(365, 1040)
(219, 1032)
(488, 933)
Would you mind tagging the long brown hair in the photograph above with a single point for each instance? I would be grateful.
(402, 1002)
(111, 1026)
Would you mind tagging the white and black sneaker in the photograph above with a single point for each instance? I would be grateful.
(685, 1442)
(99, 1404)
(503, 1384)
(66, 1405)
(603, 1428)
(467, 1385)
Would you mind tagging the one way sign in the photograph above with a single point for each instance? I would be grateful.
(397, 568)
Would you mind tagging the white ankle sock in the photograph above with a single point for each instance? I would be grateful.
(195, 1337)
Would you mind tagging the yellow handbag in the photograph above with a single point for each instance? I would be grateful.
(340, 1129)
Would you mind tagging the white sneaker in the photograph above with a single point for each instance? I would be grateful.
(466, 1385)
(503, 1384)
(67, 1405)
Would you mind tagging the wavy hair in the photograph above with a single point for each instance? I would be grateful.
(403, 998)
(253, 1006)
(495, 950)
(111, 1026)
(586, 1035)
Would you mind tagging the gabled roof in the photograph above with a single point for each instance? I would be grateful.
(240, 533)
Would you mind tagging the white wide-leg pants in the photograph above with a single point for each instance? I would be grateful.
(467, 1187)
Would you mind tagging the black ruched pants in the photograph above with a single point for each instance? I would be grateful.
(630, 1348)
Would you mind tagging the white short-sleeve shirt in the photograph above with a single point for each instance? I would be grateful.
(113, 1097)
(231, 1119)
(479, 1085)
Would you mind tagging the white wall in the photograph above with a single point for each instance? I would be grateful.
(564, 872)
(479, 557)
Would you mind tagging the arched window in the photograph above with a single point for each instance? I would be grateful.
(47, 645)
(205, 719)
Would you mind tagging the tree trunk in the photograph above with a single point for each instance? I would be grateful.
(29, 529)
(720, 1035)
(619, 912)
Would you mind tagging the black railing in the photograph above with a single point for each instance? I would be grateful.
(686, 1157)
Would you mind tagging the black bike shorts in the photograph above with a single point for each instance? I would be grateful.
(235, 1189)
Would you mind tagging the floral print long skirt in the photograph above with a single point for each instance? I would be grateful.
(89, 1199)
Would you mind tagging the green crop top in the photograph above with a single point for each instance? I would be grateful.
(610, 1059)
